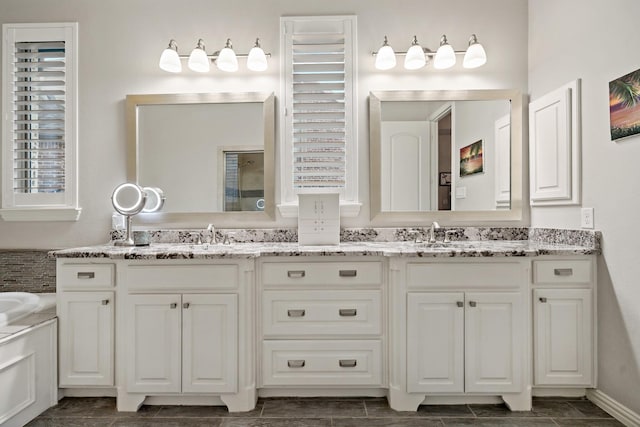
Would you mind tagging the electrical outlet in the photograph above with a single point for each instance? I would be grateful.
(586, 218)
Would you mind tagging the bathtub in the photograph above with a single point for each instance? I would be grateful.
(16, 305)
(28, 356)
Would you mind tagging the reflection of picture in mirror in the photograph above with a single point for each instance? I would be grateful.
(244, 181)
(471, 161)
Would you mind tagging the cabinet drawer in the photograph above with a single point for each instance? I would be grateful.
(321, 313)
(468, 275)
(184, 276)
(322, 273)
(84, 276)
(562, 271)
(310, 363)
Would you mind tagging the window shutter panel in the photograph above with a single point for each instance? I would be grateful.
(39, 117)
(318, 98)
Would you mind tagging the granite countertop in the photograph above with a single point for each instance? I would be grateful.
(483, 248)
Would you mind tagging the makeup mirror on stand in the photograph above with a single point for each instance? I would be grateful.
(128, 199)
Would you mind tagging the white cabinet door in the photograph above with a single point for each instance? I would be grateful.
(153, 328)
(435, 346)
(493, 342)
(563, 337)
(86, 338)
(209, 343)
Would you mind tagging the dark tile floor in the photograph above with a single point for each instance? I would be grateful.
(325, 412)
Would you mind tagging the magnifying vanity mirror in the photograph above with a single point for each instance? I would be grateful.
(450, 156)
(212, 154)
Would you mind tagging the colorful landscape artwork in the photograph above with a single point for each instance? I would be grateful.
(471, 161)
(624, 105)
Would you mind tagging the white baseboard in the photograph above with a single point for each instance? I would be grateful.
(616, 409)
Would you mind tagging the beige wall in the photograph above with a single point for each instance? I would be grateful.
(597, 42)
(121, 41)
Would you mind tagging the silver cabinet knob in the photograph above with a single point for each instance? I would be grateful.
(472, 303)
(186, 305)
(105, 302)
(543, 299)
(295, 313)
(460, 304)
(563, 272)
(348, 363)
(173, 305)
(296, 274)
(348, 312)
(86, 275)
(348, 273)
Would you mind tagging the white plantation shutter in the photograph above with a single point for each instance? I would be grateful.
(39, 130)
(319, 132)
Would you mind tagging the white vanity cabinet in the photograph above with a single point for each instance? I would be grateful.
(186, 329)
(322, 323)
(564, 322)
(461, 327)
(182, 343)
(85, 309)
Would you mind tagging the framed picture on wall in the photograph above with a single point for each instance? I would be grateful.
(624, 108)
(471, 160)
(445, 179)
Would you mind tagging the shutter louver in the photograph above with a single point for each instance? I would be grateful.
(39, 117)
(318, 110)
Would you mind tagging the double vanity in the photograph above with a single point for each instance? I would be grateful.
(418, 323)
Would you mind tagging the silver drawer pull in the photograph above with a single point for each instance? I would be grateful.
(186, 304)
(173, 305)
(296, 274)
(563, 271)
(459, 303)
(295, 313)
(348, 273)
(295, 363)
(105, 302)
(472, 303)
(86, 275)
(543, 299)
(348, 312)
(348, 363)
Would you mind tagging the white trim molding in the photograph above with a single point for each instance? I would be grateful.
(616, 409)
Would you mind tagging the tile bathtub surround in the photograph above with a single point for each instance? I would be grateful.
(336, 412)
(27, 271)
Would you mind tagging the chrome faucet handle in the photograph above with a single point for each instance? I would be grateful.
(417, 235)
(212, 233)
(197, 236)
(448, 234)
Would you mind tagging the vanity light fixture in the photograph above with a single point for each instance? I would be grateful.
(225, 59)
(386, 57)
(417, 57)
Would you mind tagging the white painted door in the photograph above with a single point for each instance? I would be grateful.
(153, 332)
(209, 343)
(86, 320)
(405, 163)
(435, 342)
(503, 162)
(494, 337)
(563, 337)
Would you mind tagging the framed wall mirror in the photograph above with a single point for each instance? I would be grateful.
(211, 153)
(450, 156)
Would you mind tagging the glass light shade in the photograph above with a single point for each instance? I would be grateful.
(385, 58)
(198, 60)
(256, 61)
(475, 56)
(227, 60)
(170, 61)
(415, 58)
(445, 57)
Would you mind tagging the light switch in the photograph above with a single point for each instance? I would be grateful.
(586, 218)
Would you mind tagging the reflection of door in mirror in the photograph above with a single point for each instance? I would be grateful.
(243, 180)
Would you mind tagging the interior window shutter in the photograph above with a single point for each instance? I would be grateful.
(39, 137)
(319, 112)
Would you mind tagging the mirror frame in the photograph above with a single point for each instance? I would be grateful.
(188, 218)
(389, 218)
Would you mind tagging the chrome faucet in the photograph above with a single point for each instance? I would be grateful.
(212, 234)
(432, 231)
